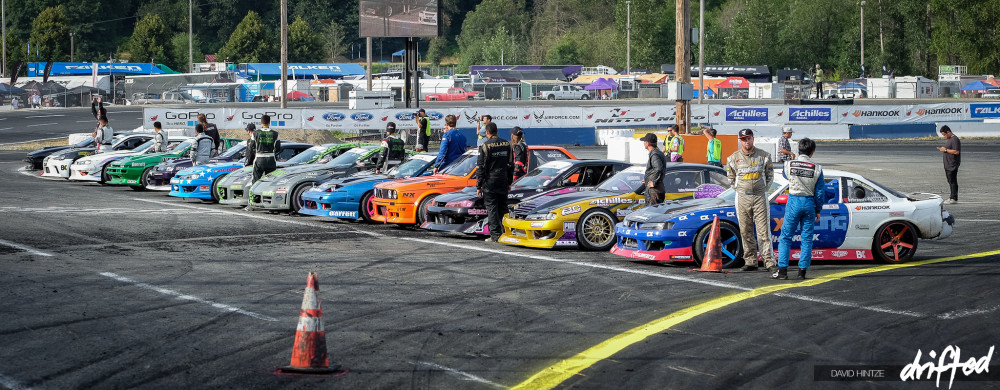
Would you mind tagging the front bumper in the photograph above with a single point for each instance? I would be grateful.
(121, 175)
(539, 234)
(658, 245)
(947, 225)
(194, 188)
(329, 204)
(33, 163)
(84, 173)
(161, 179)
(57, 168)
(271, 199)
(394, 211)
(234, 194)
(457, 219)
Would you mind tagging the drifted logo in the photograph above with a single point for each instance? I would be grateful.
(333, 117)
(869, 113)
(362, 117)
(747, 114)
(809, 114)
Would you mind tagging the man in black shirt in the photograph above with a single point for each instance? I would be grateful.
(211, 131)
(495, 167)
(952, 150)
(423, 130)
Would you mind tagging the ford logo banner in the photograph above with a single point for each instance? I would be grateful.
(404, 116)
(333, 116)
(362, 117)
(435, 116)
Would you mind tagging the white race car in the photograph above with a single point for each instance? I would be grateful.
(94, 167)
(57, 164)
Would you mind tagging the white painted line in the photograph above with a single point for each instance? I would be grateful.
(966, 313)
(44, 116)
(136, 212)
(6, 128)
(25, 248)
(977, 220)
(186, 297)
(42, 124)
(85, 121)
(26, 173)
(11, 383)
(462, 375)
(266, 218)
(853, 305)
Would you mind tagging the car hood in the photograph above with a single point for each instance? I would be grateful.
(548, 201)
(420, 181)
(351, 180)
(47, 150)
(209, 168)
(103, 157)
(150, 157)
(469, 193)
(72, 152)
(666, 211)
(301, 169)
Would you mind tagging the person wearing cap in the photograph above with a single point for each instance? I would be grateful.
(481, 129)
(751, 172)
(423, 130)
(203, 148)
(453, 144)
(668, 139)
(251, 145)
(392, 149)
(713, 153)
(520, 150)
(784, 147)
(806, 195)
(493, 178)
(676, 146)
(652, 182)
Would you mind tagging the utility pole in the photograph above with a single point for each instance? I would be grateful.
(3, 33)
(190, 36)
(701, 51)
(284, 53)
(368, 75)
(682, 63)
(628, 37)
(862, 34)
(72, 52)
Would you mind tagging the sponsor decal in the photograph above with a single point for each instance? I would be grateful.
(869, 208)
(810, 114)
(623, 212)
(542, 117)
(838, 254)
(569, 226)
(537, 224)
(565, 243)
(680, 257)
(477, 212)
(939, 111)
(831, 223)
(333, 117)
(985, 110)
(612, 200)
(875, 113)
(571, 210)
(862, 227)
(641, 255)
(750, 114)
(895, 213)
(407, 194)
(362, 117)
(830, 207)
(682, 233)
(349, 214)
(510, 240)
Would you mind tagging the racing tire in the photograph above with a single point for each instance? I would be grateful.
(895, 242)
(295, 202)
(585, 97)
(732, 246)
(595, 230)
(214, 189)
(422, 209)
(105, 177)
(552, 97)
(143, 180)
(367, 207)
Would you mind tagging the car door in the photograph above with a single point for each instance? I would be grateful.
(829, 232)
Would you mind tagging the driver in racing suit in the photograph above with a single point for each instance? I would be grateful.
(266, 144)
(751, 172)
(806, 194)
(392, 150)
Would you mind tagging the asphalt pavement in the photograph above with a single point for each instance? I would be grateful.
(104, 287)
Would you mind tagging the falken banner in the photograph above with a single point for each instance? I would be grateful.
(568, 117)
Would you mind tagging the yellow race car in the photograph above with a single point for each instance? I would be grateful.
(586, 217)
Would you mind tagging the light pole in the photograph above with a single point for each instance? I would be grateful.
(701, 51)
(862, 34)
(628, 37)
(71, 47)
(190, 36)
(3, 33)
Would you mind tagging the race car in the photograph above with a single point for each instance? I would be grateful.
(283, 188)
(57, 164)
(34, 159)
(405, 201)
(95, 167)
(464, 212)
(351, 197)
(231, 189)
(861, 220)
(586, 217)
(134, 171)
(197, 182)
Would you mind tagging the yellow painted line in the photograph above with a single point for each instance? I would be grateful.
(557, 373)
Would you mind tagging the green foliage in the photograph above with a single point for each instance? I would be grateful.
(250, 42)
(303, 44)
(565, 52)
(151, 41)
(336, 41)
(495, 28)
(436, 50)
(50, 34)
(179, 44)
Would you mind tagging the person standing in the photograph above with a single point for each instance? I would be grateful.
(784, 147)
(676, 146)
(423, 130)
(453, 144)
(668, 139)
(203, 146)
(266, 145)
(481, 129)
(392, 150)
(103, 135)
(818, 78)
(713, 153)
(656, 167)
(806, 195)
(493, 174)
(211, 131)
(952, 150)
(251, 145)
(159, 139)
(750, 173)
(520, 150)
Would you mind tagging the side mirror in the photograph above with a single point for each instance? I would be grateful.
(781, 199)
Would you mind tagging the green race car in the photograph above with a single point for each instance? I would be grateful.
(134, 171)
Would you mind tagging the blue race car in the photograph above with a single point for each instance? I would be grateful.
(350, 197)
(197, 181)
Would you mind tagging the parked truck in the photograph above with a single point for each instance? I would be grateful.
(565, 92)
(452, 95)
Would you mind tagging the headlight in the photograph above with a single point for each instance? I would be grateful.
(328, 187)
(462, 203)
(656, 226)
(541, 217)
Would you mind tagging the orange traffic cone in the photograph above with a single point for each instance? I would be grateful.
(712, 261)
(309, 353)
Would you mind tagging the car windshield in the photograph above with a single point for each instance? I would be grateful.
(461, 167)
(144, 146)
(306, 155)
(410, 167)
(180, 146)
(86, 142)
(730, 194)
(234, 150)
(349, 157)
(627, 180)
(543, 175)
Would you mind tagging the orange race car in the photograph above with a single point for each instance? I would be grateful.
(405, 201)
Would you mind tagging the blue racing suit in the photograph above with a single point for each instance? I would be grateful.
(453, 145)
(806, 195)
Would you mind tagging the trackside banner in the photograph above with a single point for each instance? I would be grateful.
(572, 117)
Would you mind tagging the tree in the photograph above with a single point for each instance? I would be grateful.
(50, 34)
(303, 44)
(565, 52)
(250, 42)
(653, 32)
(335, 41)
(436, 50)
(179, 44)
(151, 41)
(493, 25)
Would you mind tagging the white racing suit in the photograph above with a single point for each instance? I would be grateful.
(750, 175)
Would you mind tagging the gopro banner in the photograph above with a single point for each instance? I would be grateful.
(180, 118)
